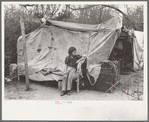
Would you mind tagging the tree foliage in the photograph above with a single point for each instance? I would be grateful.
(136, 17)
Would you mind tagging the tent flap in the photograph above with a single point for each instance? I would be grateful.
(138, 47)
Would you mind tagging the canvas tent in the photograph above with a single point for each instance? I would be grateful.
(47, 47)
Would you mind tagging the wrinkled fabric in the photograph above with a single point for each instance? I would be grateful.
(47, 47)
(94, 70)
(100, 50)
(112, 24)
(138, 48)
(80, 62)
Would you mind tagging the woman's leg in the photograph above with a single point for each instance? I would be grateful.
(64, 82)
(72, 75)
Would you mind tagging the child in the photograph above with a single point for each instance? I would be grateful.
(70, 71)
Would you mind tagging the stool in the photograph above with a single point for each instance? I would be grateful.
(59, 84)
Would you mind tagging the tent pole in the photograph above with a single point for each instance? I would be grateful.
(25, 53)
(17, 64)
(18, 72)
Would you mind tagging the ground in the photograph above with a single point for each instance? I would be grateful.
(16, 91)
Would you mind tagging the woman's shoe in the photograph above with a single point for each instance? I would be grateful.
(68, 92)
(63, 93)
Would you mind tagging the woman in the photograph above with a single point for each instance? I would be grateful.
(70, 71)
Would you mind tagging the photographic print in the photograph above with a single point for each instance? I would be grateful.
(68, 52)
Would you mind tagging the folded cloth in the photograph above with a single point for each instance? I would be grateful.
(47, 71)
(81, 59)
(80, 62)
(93, 70)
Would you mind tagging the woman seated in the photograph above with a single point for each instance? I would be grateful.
(70, 71)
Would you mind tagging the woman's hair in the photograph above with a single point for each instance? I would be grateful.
(71, 49)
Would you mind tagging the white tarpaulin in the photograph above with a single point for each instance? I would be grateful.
(47, 47)
(138, 48)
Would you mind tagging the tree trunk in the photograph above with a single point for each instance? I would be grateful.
(25, 53)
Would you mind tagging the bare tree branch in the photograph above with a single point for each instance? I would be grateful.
(25, 5)
(90, 6)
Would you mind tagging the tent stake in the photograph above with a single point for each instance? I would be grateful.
(25, 53)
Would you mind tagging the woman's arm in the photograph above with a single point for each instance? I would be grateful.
(66, 64)
(80, 58)
(67, 60)
(65, 68)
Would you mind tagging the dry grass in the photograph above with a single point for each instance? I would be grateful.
(132, 85)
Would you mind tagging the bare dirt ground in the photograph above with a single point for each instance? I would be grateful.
(16, 91)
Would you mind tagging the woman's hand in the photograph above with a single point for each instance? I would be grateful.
(65, 68)
(84, 56)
